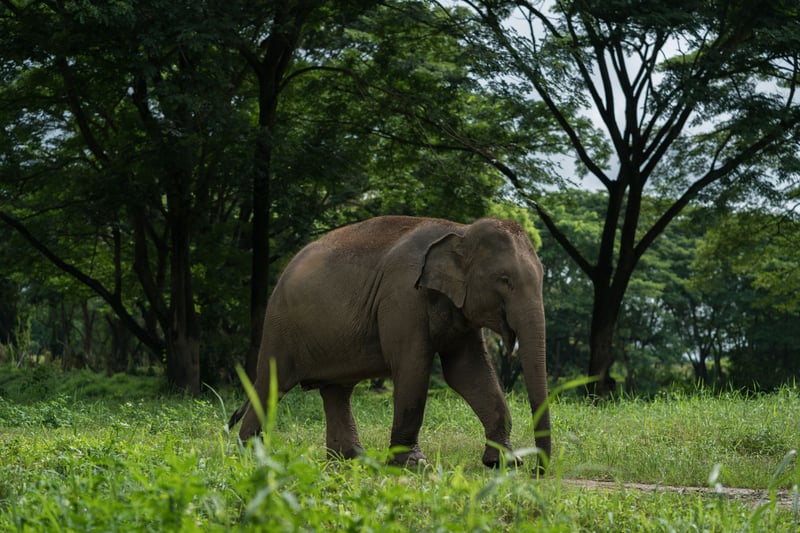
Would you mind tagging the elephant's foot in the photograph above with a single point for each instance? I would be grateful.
(345, 453)
(411, 458)
(251, 426)
(492, 457)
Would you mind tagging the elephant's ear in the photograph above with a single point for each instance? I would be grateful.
(442, 269)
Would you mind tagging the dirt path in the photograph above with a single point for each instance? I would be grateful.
(757, 497)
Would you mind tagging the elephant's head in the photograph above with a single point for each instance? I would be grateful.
(492, 273)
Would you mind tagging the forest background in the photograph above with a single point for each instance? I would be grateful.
(161, 161)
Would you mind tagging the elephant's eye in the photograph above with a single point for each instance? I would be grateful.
(505, 280)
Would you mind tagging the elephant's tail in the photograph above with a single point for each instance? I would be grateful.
(238, 414)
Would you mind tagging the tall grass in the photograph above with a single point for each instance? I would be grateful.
(678, 439)
(72, 462)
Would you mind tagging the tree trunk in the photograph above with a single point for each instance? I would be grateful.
(510, 369)
(183, 355)
(69, 360)
(601, 357)
(719, 375)
(601, 342)
(88, 333)
(270, 69)
(182, 330)
(117, 359)
(701, 370)
(259, 282)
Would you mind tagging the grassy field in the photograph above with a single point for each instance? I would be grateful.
(80, 452)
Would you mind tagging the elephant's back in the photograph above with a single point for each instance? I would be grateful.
(347, 268)
(357, 257)
(325, 302)
(375, 236)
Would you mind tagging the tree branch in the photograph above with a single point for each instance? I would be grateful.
(113, 299)
(81, 119)
(490, 18)
(713, 175)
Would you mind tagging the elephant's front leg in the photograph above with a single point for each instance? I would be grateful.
(341, 431)
(410, 394)
(469, 372)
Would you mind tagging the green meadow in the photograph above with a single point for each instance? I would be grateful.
(81, 452)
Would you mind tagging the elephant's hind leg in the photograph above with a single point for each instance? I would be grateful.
(251, 425)
(341, 433)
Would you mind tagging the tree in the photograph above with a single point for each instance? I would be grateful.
(701, 309)
(8, 309)
(269, 53)
(151, 151)
(689, 100)
(118, 141)
(335, 144)
(746, 264)
(567, 292)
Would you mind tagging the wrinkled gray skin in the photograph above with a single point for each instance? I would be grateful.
(380, 298)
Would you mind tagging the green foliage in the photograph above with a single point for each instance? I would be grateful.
(743, 266)
(31, 384)
(567, 290)
(131, 138)
(699, 308)
(163, 462)
(660, 106)
(132, 134)
(400, 71)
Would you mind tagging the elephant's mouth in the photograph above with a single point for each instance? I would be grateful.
(509, 337)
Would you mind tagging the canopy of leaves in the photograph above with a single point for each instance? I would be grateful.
(129, 132)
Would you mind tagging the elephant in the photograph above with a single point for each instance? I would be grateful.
(382, 297)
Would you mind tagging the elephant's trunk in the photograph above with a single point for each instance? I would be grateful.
(530, 329)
